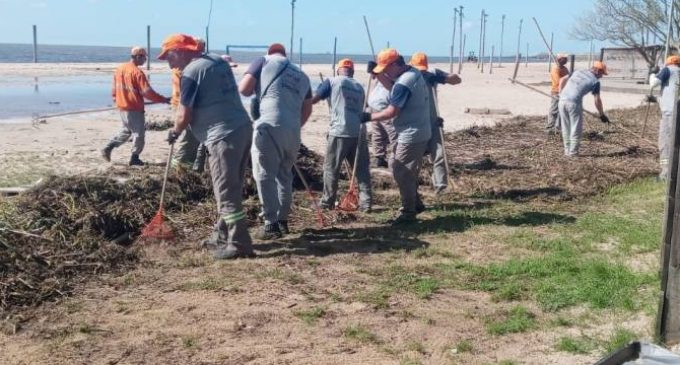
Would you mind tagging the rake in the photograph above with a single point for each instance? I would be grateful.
(158, 228)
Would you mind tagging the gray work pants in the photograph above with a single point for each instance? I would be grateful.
(382, 137)
(186, 150)
(408, 157)
(228, 160)
(435, 148)
(273, 154)
(665, 131)
(571, 118)
(553, 120)
(338, 150)
(133, 126)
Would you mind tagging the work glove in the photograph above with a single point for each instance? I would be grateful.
(440, 122)
(172, 136)
(167, 100)
(650, 99)
(604, 119)
(371, 65)
(365, 117)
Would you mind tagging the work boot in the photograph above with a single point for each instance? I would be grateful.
(404, 218)
(106, 153)
(420, 207)
(439, 189)
(227, 251)
(135, 161)
(380, 162)
(269, 231)
(283, 227)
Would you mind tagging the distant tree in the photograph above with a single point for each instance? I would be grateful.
(636, 24)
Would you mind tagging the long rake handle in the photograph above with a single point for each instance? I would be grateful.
(165, 175)
(309, 192)
(441, 135)
(361, 135)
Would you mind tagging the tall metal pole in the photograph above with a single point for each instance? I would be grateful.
(453, 40)
(481, 34)
(300, 54)
(483, 54)
(669, 34)
(292, 26)
(207, 39)
(148, 46)
(335, 53)
(500, 51)
(491, 60)
(370, 39)
(519, 38)
(552, 35)
(35, 43)
(462, 41)
(526, 59)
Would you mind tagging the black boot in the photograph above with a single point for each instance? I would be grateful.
(106, 153)
(135, 161)
(283, 227)
(269, 231)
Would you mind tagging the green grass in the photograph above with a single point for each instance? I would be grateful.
(361, 334)
(618, 339)
(281, 275)
(576, 345)
(517, 320)
(208, 283)
(416, 347)
(311, 316)
(464, 346)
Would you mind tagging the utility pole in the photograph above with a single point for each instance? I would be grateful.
(335, 54)
(481, 30)
(453, 40)
(491, 60)
(552, 35)
(292, 26)
(207, 39)
(500, 51)
(300, 54)
(483, 54)
(35, 43)
(462, 40)
(148, 47)
(519, 37)
(526, 59)
(669, 34)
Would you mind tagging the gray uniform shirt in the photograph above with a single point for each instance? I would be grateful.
(347, 103)
(208, 87)
(281, 102)
(669, 76)
(579, 85)
(379, 99)
(413, 122)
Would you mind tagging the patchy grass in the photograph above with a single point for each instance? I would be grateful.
(464, 346)
(361, 334)
(618, 339)
(311, 316)
(517, 320)
(576, 345)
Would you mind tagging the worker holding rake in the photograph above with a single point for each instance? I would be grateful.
(668, 78)
(285, 105)
(557, 72)
(346, 142)
(410, 110)
(435, 148)
(210, 107)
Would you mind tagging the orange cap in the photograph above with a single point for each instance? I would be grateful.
(599, 65)
(276, 48)
(673, 60)
(345, 62)
(178, 42)
(385, 58)
(419, 61)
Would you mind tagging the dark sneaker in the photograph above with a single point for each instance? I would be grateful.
(283, 227)
(106, 153)
(135, 161)
(230, 252)
(439, 189)
(404, 218)
(380, 162)
(420, 207)
(268, 232)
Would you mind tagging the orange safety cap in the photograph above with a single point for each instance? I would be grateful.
(138, 51)
(385, 58)
(276, 48)
(598, 65)
(419, 61)
(346, 63)
(178, 42)
(673, 60)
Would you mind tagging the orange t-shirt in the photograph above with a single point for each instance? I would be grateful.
(556, 73)
(176, 76)
(130, 87)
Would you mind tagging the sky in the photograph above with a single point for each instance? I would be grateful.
(409, 26)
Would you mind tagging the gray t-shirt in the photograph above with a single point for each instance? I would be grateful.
(579, 85)
(411, 96)
(347, 103)
(669, 77)
(379, 99)
(208, 87)
(284, 88)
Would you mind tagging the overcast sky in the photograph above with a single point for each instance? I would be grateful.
(409, 26)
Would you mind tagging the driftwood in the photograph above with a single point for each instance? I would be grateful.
(487, 111)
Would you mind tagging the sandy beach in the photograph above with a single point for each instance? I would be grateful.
(71, 144)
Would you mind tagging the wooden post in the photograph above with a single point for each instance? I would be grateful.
(491, 61)
(601, 54)
(500, 51)
(517, 60)
(483, 54)
(572, 61)
(335, 54)
(668, 316)
(460, 65)
(481, 33)
(370, 39)
(552, 35)
(462, 41)
(148, 47)
(300, 55)
(453, 40)
(292, 26)
(670, 30)
(526, 59)
(207, 39)
(35, 43)
(519, 38)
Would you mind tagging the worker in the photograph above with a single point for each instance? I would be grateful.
(345, 137)
(668, 78)
(129, 89)
(285, 100)
(572, 90)
(409, 109)
(210, 107)
(557, 72)
(383, 134)
(435, 148)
